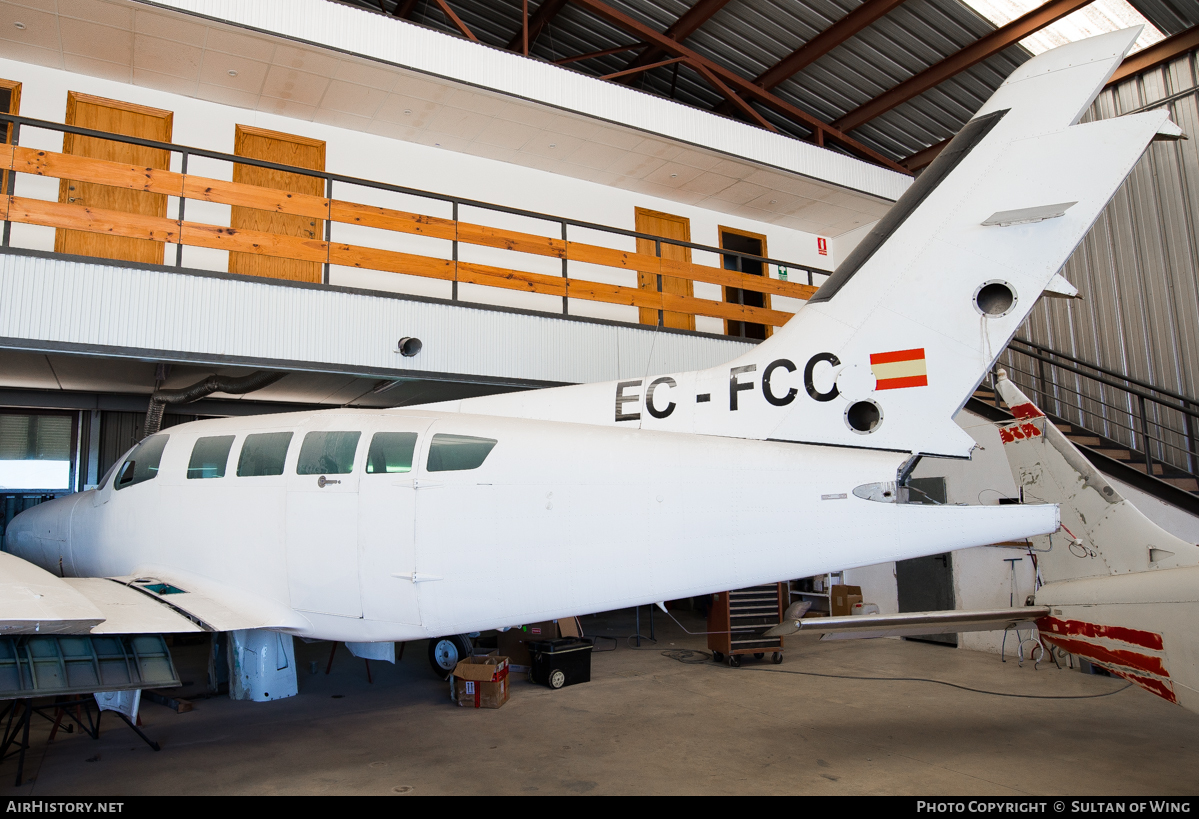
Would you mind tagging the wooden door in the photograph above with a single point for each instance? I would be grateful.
(285, 149)
(10, 103)
(742, 241)
(124, 118)
(670, 227)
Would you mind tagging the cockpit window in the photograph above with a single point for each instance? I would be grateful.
(390, 452)
(263, 454)
(209, 457)
(449, 453)
(328, 453)
(142, 463)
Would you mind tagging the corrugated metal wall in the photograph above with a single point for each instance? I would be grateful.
(1138, 273)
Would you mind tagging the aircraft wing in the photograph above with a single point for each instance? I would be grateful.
(910, 624)
(34, 601)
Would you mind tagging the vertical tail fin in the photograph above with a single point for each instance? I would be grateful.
(1103, 533)
(916, 315)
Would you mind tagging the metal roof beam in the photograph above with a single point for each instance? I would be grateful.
(825, 41)
(540, 19)
(1045, 14)
(745, 89)
(456, 20)
(682, 28)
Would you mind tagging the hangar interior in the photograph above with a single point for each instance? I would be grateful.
(391, 203)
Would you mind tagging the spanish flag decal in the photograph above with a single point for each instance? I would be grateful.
(901, 368)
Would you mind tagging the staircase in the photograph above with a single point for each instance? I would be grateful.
(1163, 481)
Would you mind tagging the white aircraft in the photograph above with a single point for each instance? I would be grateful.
(394, 525)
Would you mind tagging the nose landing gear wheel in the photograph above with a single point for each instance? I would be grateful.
(557, 679)
(445, 652)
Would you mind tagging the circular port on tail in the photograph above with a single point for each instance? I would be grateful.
(863, 417)
(995, 299)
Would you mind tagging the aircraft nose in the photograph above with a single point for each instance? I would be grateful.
(39, 534)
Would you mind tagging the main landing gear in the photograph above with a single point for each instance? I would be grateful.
(445, 652)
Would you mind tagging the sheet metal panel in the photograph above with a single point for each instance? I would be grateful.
(103, 308)
(1138, 273)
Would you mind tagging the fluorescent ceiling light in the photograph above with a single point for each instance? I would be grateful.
(1099, 17)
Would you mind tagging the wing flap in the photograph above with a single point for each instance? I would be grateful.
(129, 611)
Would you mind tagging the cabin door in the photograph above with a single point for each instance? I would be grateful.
(322, 518)
(285, 149)
(127, 119)
(387, 522)
(670, 227)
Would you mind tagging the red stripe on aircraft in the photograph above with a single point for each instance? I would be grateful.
(1028, 410)
(1163, 688)
(897, 383)
(1136, 637)
(1109, 656)
(898, 355)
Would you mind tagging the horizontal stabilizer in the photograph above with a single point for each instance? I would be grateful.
(912, 624)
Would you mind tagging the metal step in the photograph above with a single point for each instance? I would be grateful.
(1116, 454)
(1085, 440)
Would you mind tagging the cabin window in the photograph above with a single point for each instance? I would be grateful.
(391, 452)
(142, 463)
(209, 457)
(328, 453)
(263, 454)
(449, 453)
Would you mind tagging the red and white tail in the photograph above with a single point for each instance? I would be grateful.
(1122, 591)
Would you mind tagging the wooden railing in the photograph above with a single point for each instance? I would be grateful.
(178, 231)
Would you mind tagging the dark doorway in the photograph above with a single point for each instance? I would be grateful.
(754, 244)
(926, 583)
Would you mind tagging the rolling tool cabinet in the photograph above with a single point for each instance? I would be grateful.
(737, 619)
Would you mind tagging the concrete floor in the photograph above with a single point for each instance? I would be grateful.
(648, 724)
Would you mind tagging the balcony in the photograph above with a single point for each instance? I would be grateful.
(145, 266)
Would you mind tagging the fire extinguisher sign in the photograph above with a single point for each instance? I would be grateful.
(822, 245)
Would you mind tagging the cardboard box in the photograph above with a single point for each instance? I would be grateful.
(480, 682)
(511, 643)
(839, 603)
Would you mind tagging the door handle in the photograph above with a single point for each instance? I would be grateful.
(322, 481)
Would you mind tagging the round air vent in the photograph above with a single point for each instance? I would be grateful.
(863, 417)
(409, 346)
(995, 299)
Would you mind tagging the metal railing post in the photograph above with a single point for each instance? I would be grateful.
(182, 205)
(454, 250)
(1044, 390)
(1192, 466)
(658, 253)
(328, 227)
(10, 184)
(1145, 435)
(565, 273)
